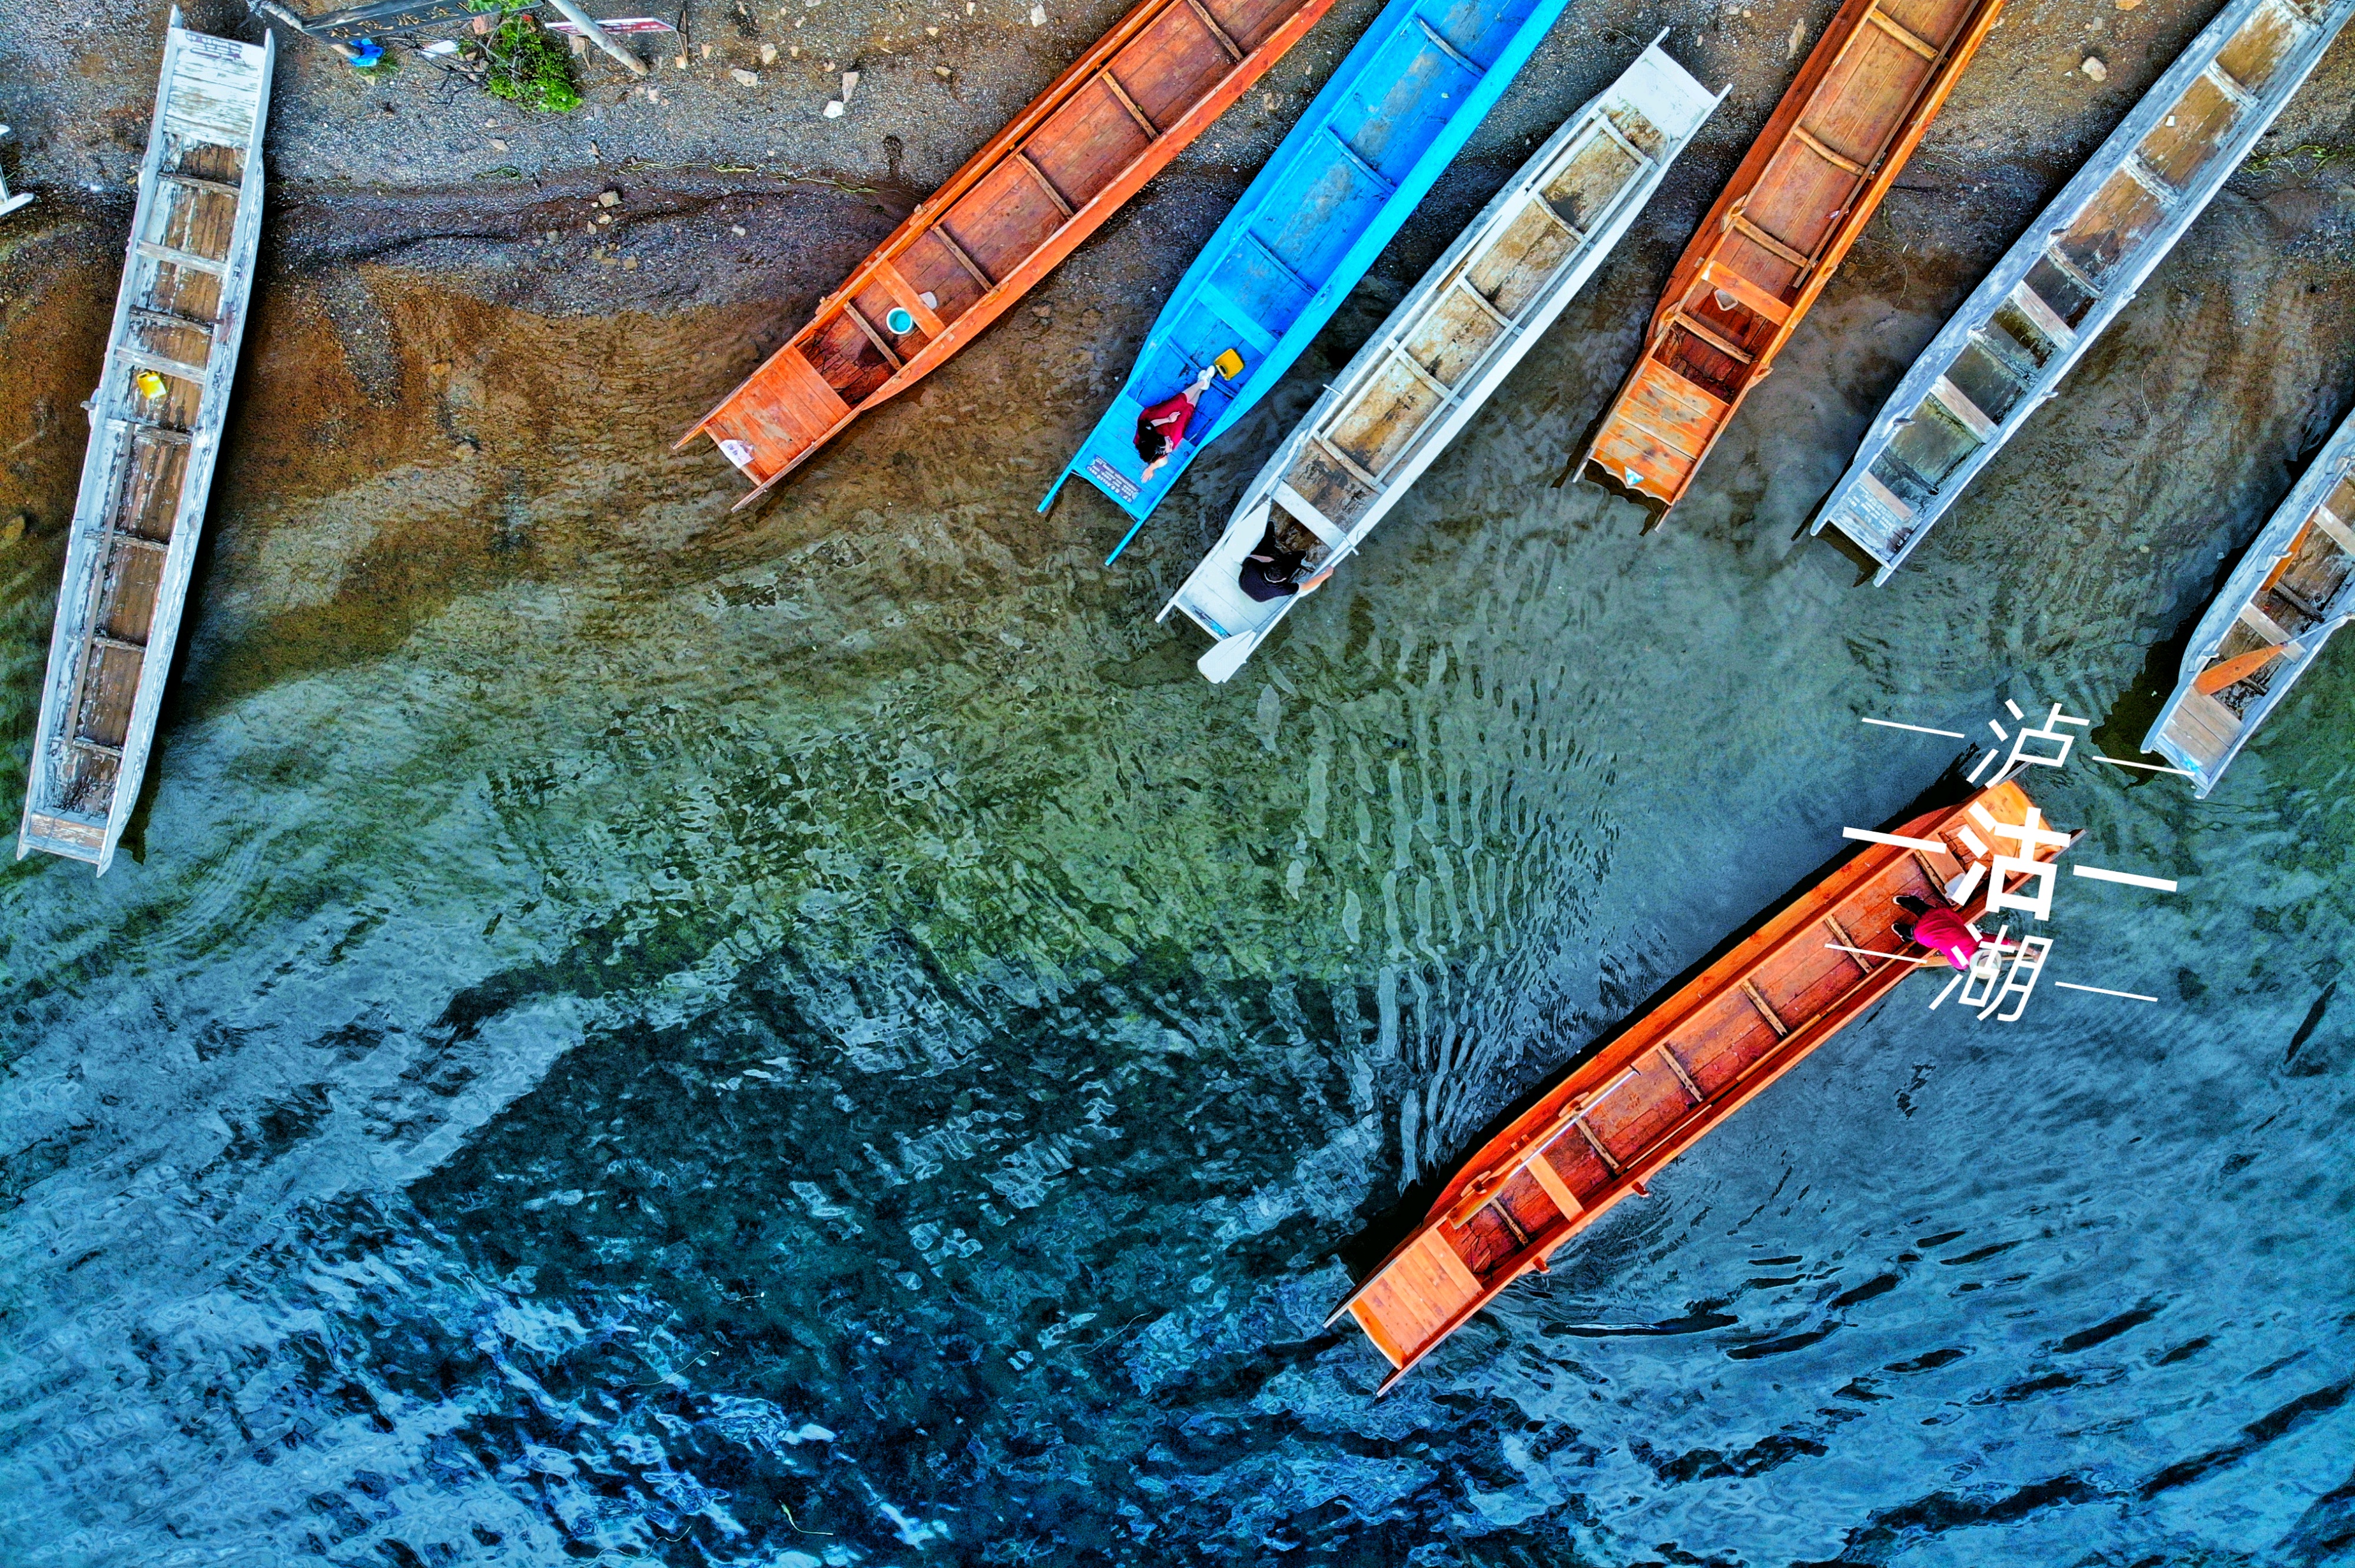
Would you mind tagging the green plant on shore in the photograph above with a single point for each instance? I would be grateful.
(527, 63)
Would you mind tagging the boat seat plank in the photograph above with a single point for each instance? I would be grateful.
(1224, 306)
(1439, 41)
(1144, 123)
(173, 256)
(1956, 402)
(1905, 35)
(1740, 223)
(2042, 316)
(1358, 161)
(1825, 151)
(1546, 1177)
(1218, 30)
(2333, 528)
(2264, 625)
(1711, 335)
(1752, 295)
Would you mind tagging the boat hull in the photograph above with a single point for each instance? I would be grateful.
(1390, 119)
(2293, 589)
(2077, 267)
(1668, 1077)
(1452, 340)
(155, 425)
(975, 247)
(1814, 178)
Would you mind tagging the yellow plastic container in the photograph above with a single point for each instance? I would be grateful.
(1229, 363)
(150, 385)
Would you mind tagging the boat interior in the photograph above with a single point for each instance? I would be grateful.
(2006, 359)
(149, 409)
(2275, 633)
(1739, 289)
(1290, 246)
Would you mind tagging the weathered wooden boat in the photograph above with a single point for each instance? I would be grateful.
(1605, 1131)
(2292, 590)
(1396, 114)
(975, 247)
(1810, 183)
(156, 424)
(2070, 275)
(1450, 343)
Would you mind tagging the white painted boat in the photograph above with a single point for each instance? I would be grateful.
(2292, 590)
(2006, 350)
(155, 425)
(1450, 343)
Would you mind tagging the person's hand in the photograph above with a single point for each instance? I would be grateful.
(1312, 584)
(1157, 462)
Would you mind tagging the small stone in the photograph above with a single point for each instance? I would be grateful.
(767, 54)
(12, 530)
(2093, 67)
(2128, 4)
(498, 145)
(631, 265)
(580, 47)
(706, 51)
(932, 32)
(654, 95)
(605, 217)
(834, 108)
(744, 77)
(609, 198)
(940, 71)
(849, 80)
(1038, 16)
(736, 229)
(592, 151)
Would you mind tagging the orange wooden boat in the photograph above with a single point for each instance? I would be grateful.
(1811, 182)
(976, 246)
(1673, 1075)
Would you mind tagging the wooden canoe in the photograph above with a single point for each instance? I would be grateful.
(976, 246)
(1668, 1077)
(1451, 342)
(2065, 281)
(154, 433)
(2292, 590)
(1814, 178)
(1385, 126)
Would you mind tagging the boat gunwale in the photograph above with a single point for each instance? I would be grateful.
(2322, 25)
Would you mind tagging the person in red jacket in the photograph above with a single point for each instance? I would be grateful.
(1938, 928)
(1160, 427)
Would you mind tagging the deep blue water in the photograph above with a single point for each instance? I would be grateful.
(828, 1044)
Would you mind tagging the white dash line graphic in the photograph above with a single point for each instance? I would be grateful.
(1919, 728)
(2104, 991)
(2095, 872)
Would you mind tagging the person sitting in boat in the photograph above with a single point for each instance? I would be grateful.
(1271, 571)
(1938, 928)
(1160, 427)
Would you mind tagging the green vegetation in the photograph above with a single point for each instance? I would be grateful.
(528, 65)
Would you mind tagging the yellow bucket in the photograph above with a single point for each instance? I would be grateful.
(150, 385)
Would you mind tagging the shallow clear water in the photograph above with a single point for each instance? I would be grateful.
(641, 1034)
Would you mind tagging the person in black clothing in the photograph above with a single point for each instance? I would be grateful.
(1268, 570)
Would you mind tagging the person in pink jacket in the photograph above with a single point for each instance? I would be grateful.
(1938, 928)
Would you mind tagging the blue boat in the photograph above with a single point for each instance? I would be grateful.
(1396, 114)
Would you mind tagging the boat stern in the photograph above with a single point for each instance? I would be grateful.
(780, 415)
(1108, 461)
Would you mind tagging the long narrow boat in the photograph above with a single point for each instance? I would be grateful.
(1672, 1075)
(1415, 87)
(2071, 274)
(2292, 590)
(1814, 178)
(155, 425)
(1023, 202)
(1451, 342)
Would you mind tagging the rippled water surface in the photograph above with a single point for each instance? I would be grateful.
(642, 1033)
